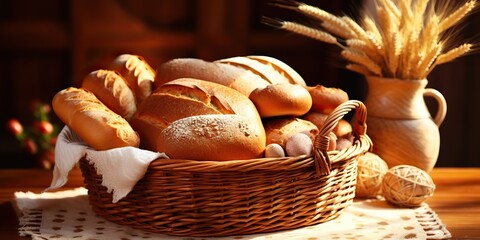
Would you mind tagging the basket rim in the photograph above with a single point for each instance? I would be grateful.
(360, 146)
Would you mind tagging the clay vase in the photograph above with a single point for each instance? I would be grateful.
(399, 122)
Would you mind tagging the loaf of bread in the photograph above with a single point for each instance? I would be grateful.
(195, 119)
(227, 75)
(249, 74)
(138, 73)
(92, 121)
(112, 90)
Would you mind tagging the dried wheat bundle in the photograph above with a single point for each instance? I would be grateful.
(402, 39)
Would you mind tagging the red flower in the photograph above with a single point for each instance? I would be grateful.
(44, 127)
(15, 127)
(30, 146)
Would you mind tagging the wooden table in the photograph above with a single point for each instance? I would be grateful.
(456, 199)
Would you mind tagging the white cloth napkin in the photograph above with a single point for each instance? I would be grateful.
(67, 215)
(120, 168)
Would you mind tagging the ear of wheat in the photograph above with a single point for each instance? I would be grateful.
(402, 39)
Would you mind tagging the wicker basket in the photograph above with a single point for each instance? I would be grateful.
(211, 198)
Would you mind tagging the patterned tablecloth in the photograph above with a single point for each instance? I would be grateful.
(67, 215)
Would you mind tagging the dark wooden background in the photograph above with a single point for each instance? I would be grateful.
(46, 46)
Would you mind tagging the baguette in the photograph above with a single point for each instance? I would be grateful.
(98, 126)
(138, 73)
(112, 90)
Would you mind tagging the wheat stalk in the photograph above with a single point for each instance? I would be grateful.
(451, 55)
(454, 53)
(453, 18)
(400, 39)
(362, 59)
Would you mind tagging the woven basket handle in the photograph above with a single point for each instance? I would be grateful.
(322, 160)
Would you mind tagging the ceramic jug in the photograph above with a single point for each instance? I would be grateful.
(400, 124)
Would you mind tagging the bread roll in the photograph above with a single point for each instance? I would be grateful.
(291, 100)
(342, 129)
(299, 144)
(245, 75)
(279, 130)
(112, 90)
(195, 119)
(326, 99)
(92, 121)
(138, 73)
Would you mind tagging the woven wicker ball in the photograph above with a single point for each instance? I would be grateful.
(407, 186)
(370, 171)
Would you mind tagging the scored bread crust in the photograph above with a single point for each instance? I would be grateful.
(185, 102)
(112, 90)
(284, 69)
(245, 75)
(265, 71)
(138, 73)
(98, 126)
(227, 75)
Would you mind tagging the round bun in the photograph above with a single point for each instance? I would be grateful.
(195, 119)
(274, 150)
(290, 99)
(112, 90)
(246, 75)
(279, 130)
(343, 128)
(299, 144)
(92, 121)
(325, 99)
(138, 73)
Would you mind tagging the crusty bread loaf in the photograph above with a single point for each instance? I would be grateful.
(92, 121)
(195, 119)
(112, 90)
(270, 69)
(246, 75)
(326, 99)
(138, 73)
(279, 130)
(227, 75)
(284, 69)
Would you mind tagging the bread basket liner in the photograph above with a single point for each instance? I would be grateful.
(222, 198)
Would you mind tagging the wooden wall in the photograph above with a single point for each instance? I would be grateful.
(46, 46)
